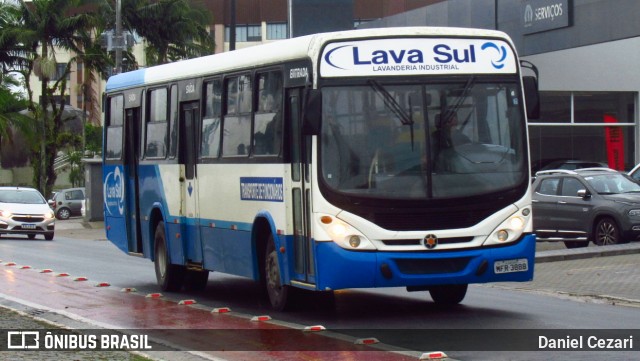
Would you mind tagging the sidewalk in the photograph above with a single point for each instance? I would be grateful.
(77, 228)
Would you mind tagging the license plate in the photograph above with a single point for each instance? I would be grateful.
(511, 265)
(28, 226)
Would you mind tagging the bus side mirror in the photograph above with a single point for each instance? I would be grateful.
(531, 96)
(312, 112)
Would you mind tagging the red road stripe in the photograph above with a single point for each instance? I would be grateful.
(134, 311)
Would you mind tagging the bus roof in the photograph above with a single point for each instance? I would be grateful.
(303, 47)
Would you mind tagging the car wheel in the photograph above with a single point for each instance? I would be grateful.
(277, 292)
(607, 232)
(63, 213)
(31, 236)
(48, 236)
(169, 276)
(448, 295)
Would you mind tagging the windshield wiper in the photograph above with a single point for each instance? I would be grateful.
(393, 105)
(391, 102)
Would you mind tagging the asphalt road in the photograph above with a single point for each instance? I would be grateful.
(586, 293)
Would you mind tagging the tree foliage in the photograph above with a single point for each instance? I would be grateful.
(33, 33)
(173, 29)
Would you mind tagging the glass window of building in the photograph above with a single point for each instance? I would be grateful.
(245, 33)
(276, 31)
(588, 126)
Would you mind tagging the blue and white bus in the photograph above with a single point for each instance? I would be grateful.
(392, 157)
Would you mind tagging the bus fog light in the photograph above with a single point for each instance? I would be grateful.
(502, 235)
(354, 241)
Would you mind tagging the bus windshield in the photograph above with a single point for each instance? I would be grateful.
(423, 141)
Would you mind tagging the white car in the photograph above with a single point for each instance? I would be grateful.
(25, 211)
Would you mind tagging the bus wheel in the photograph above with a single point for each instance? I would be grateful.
(169, 276)
(195, 280)
(448, 295)
(277, 292)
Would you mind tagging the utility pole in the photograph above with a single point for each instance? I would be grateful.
(232, 27)
(119, 41)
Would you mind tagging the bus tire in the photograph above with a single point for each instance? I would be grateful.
(169, 276)
(448, 295)
(195, 280)
(277, 292)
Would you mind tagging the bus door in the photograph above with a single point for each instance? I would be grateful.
(301, 190)
(131, 162)
(187, 154)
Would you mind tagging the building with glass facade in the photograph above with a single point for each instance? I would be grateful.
(588, 55)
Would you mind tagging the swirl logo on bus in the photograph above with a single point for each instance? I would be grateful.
(114, 191)
(501, 51)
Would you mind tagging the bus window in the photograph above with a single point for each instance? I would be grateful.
(267, 132)
(237, 122)
(114, 128)
(211, 122)
(157, 125)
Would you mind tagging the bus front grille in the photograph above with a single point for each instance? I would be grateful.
(417, 242)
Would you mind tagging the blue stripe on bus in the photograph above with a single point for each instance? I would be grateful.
(339, 268)
(125, 80)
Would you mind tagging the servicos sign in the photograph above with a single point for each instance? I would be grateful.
(543, 15)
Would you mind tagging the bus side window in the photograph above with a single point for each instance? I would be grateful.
(267, 133)
(210, 147)
(237, 122)
(157, 124)
(115, 127)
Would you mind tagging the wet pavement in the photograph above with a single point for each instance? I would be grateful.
(609, 274)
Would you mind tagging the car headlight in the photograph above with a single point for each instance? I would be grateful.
(345, 235)
(511, 229)
(49, 215)
(6, 214)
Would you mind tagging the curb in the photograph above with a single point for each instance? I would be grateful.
(588, 252)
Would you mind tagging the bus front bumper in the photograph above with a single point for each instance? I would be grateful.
(339, 268)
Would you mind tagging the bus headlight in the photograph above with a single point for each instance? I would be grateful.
(511, 229)
(345, 235)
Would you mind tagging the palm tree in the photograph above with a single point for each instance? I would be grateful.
(173, 29)
(46, 26)
(12, 61)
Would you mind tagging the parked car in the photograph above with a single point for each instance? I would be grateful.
(600, 205)
(67, 202)
(572, 164)
(25, 211)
